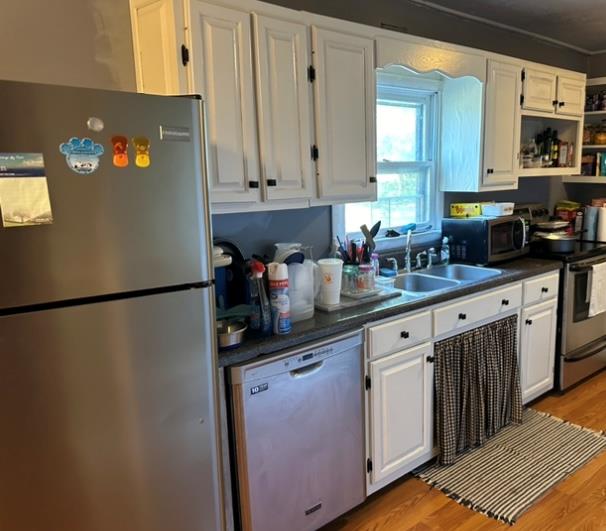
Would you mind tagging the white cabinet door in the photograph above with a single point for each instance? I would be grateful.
(284, 107)
(345, 108)
(502, 124)
(401, 411)
(571, 96)
(537, 349)
(158, 33)
(222, 72)
(539, 90)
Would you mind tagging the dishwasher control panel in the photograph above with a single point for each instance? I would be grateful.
(293, 360)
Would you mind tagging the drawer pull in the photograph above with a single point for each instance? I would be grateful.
(462, 316)
(544, 290)
(528, 322)
(505, 302)
(430, 359)
(404, 335)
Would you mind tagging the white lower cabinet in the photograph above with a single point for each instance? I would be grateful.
(401, 413)
(537, 349)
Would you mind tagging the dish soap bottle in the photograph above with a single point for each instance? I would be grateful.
(260, 317)
(278, 298)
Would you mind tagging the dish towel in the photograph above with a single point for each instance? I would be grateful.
(597, 296)
(477, 384)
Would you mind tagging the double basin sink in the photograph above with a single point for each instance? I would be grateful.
(442, 278)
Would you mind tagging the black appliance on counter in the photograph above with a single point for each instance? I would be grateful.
(486, 240)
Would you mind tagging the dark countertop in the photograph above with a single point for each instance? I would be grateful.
(324, 324)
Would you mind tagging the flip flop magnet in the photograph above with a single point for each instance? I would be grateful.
(142, 146)
(120, 145)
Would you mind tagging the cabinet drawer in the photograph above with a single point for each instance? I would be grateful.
(399, 334)
(541, 289)
(462, 314)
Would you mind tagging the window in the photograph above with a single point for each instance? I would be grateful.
(406, 154)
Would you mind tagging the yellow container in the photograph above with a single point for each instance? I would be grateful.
(465, 210)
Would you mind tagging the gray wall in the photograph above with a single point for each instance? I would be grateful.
(596, 65)
(67, 42)
(257, 232)
(427, 22)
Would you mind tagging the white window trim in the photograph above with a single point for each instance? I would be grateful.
(405, 82)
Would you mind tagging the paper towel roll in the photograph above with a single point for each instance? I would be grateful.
(590, 223)
(601, 230)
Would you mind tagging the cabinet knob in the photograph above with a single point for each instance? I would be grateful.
(544, 290)
(505, 302)
(528, 322)
(272, 182)
(253, 184)
(404, 335)
(490, 170)
(554, 102)
(561, 103)
(462, 316)
(430, 359)
(372, 179)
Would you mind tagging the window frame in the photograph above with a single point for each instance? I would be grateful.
(427, 91)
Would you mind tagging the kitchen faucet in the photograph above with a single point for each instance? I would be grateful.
(407, 266)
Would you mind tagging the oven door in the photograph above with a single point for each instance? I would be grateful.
(583, 336)
(507, 239)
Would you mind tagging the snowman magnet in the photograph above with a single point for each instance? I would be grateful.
(81, 155)
(142, 146)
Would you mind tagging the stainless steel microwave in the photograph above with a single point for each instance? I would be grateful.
(486, 240)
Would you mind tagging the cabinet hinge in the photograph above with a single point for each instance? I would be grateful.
(184, 54)
(311, 74)
(369, 465)
(523, 75)
(521, 99)
(367, 383)
(315, 153)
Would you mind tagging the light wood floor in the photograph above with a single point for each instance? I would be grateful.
(578, 503)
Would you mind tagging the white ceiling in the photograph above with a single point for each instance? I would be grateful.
(576, 24)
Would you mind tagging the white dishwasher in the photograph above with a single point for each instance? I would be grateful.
(298, 423)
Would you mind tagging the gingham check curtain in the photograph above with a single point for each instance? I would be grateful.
(477, 382)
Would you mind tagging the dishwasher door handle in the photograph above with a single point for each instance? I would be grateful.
(307, 370)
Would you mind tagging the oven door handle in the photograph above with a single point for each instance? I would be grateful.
(587, 351)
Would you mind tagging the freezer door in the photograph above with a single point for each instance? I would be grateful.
(108, 419)
(119, 228)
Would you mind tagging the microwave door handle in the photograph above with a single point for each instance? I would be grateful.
(523, 231)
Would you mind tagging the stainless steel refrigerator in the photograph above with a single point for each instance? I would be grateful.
(107, 387)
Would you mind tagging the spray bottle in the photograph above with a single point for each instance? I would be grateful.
(278, 298)
(260, 317)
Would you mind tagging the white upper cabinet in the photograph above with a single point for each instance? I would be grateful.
(551, 92)
(284, 107)
(539, 89)
(222, 72)
(571, 96)
(156, 27)
(345, 108)
(502, 124)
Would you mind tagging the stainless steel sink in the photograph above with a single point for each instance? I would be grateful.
(420, 283)
(464, 273)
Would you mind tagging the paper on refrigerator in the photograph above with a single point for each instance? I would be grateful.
(24, 198)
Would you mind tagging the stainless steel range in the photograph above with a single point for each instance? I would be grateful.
(583, 338)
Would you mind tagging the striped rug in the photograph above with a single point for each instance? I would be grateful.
(517, 466)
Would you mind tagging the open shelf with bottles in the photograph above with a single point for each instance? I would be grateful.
(569, 133)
